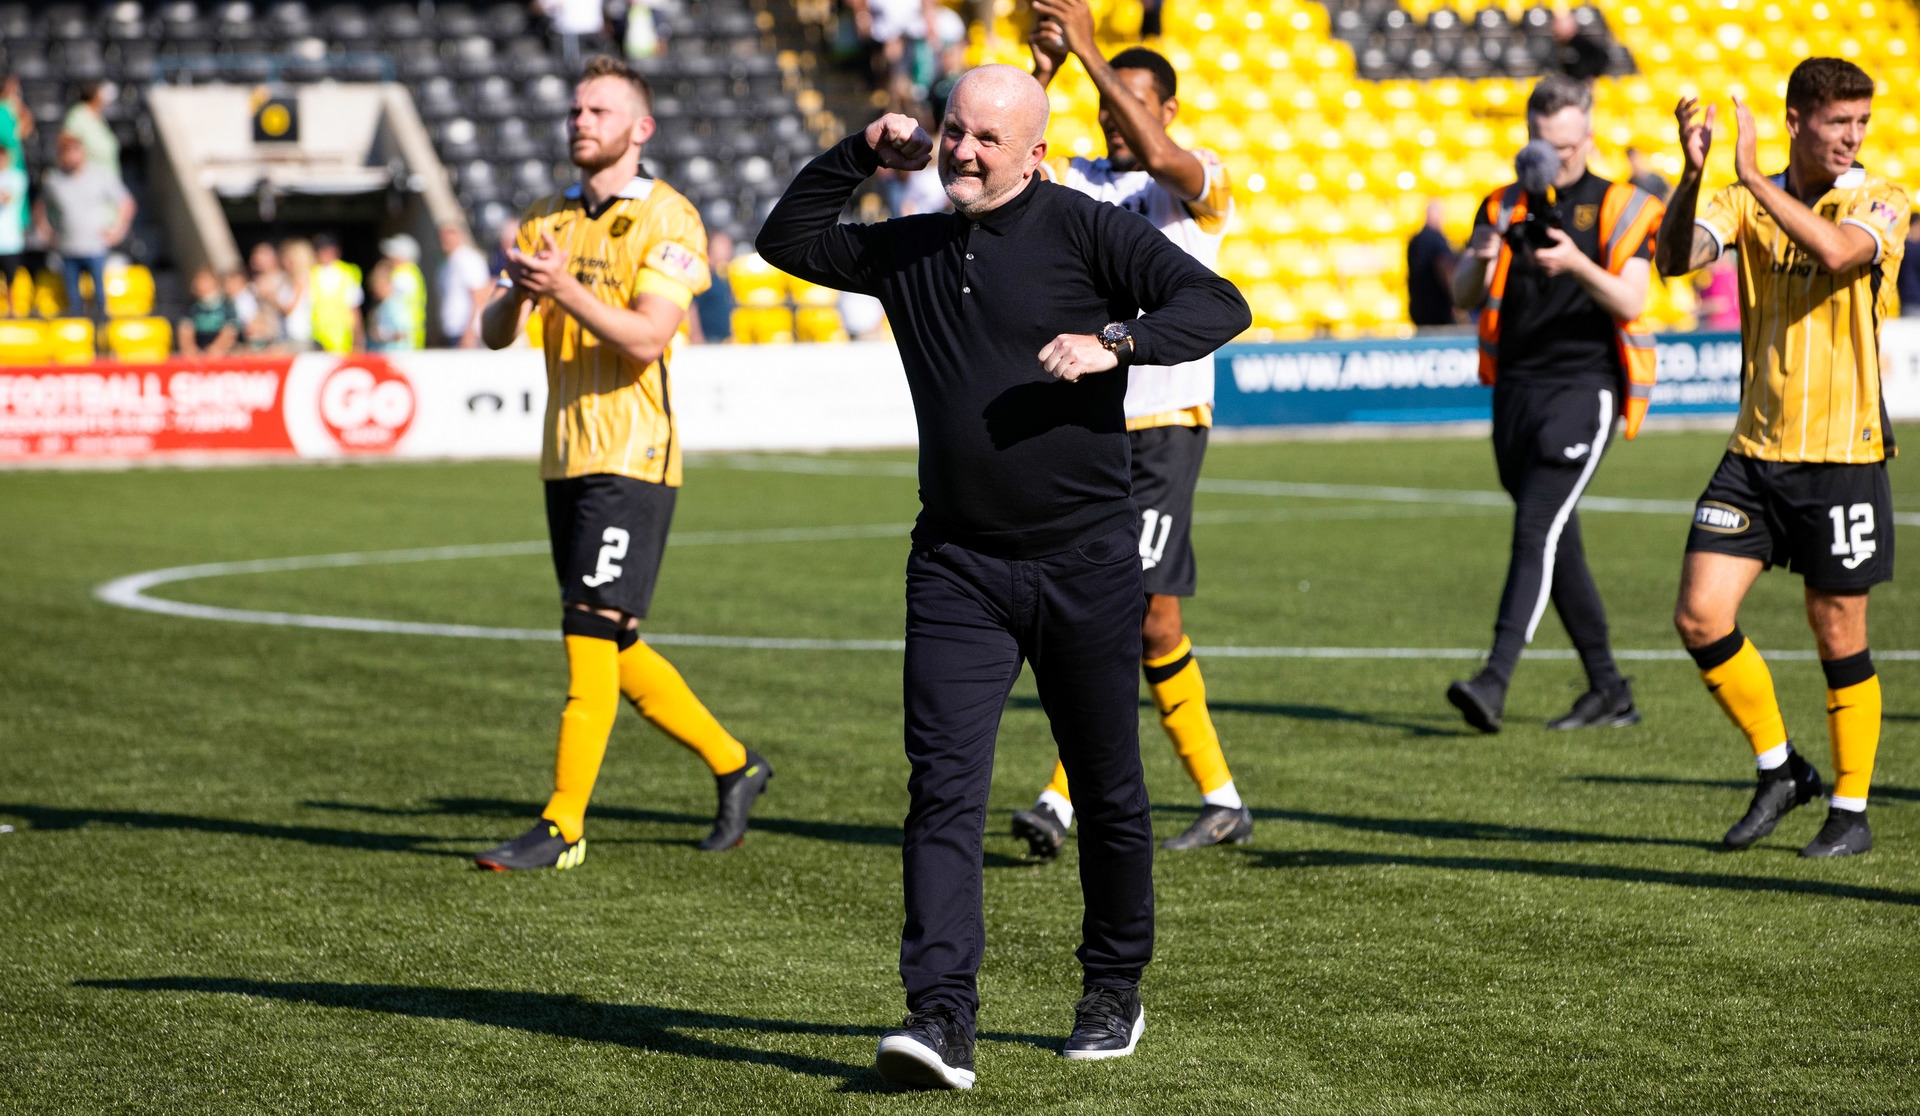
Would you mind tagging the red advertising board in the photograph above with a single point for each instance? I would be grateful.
(116, 410)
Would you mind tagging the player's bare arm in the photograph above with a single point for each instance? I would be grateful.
(1833, 246)
(1171, 165)
(501, 320)
(639, 332)
(1684, 246)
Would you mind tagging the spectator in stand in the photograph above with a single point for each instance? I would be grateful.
(1644, 176)
(465, 285)
(13, 224)
(245, 307)
(1719, 302)
(505, 238)
(1578, 51)
(712, 319)
(1152, 15)
(84, 211)
(570, 20)
(16, 122)
(297, 262)
(87, 119)
(266, 332)
(897, 32)
(1909, 281)
(409, 285)
(390, 322)
(338, 326)
(211, 328)
(952, 60)
(1430, 261)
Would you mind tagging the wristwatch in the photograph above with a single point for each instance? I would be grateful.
(1117, 338)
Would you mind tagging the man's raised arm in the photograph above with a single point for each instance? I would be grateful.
(1684, 246)
(803, 235)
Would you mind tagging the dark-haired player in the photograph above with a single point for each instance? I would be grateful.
(1187, 195)
(1803, 483)
(611, 265)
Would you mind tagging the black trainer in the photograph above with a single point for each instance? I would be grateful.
(539, 847)
(1791, 785)
(1042, 830)
(1107, 1023)
(1600, 709)
(929, 1050)
(1216, 825)
(1480, 700)
(737, 789)
(1844, 834)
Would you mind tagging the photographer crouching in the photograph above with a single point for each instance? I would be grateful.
(1558, 267)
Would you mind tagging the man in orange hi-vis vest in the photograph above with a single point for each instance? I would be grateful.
(1803, 483)
(1558, 268)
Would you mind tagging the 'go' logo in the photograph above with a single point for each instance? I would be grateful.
(366, 405)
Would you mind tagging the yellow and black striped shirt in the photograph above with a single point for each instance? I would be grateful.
(1811, 387)
(605, 413)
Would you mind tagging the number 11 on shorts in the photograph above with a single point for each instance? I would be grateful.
(1855, 540)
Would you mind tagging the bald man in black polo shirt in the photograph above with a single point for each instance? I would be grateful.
(1016, 316)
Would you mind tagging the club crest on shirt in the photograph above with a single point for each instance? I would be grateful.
(620, 226)
(1585, 217)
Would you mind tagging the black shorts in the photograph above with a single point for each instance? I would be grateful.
(1166, 466)
(1831, 524)
(608, 534)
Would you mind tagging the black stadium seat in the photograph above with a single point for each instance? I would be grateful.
(290, 19)
(400, 21)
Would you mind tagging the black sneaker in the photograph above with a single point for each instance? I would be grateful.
(1600, 709)
(1216, 825)
(929, 1050)
(1106, 1024)
(737, 789)
(1480, 700)
(1791, 785)
(1042, 830)
(1845, 834)
(539, 847)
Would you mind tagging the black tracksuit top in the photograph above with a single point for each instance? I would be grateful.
(1013, 463)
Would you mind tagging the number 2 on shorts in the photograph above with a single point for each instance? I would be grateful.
(607, 569)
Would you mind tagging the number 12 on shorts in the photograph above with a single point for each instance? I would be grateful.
(1853, 533)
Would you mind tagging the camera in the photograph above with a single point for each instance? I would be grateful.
(1535, 167)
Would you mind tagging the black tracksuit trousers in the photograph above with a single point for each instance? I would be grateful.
(1548, 438)
(971, 620)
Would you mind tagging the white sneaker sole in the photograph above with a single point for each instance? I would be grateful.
(1139, 1028)
(908, 1064)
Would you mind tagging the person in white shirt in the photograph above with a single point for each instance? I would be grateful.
(465, 284)
(1188, 196)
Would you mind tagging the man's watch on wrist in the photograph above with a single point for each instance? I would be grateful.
(1117, 338)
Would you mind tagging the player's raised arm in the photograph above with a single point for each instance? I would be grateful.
(1838, 128)
(1685, 246)
(1145, 131)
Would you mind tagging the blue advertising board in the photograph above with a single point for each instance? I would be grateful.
(1314, 383)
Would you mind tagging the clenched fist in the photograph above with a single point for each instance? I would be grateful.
(900, 141)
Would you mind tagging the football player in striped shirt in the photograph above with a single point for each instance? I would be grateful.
(1803, 483)
(611, 265)
(1188, 195)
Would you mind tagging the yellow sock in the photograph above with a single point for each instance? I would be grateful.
(1853, 725)
(1742, 684)
(1181, 698)
(593, 697)
(662, 697)
(1059, 784)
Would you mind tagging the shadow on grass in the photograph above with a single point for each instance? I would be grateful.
(1880, 793)
(56, 817)
(1318, 713)
(846, 833)
(1440, 829)
(639, 1026)
(1336, 858)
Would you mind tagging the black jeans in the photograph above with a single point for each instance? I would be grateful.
(971, 620)
(1548, 438)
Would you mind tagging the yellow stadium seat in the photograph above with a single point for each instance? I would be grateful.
(756, 282)
(23, 341)
(763, 325)
(813, 294)
(139, 340)
(129, 292)
(19, 292)
(49, 295)
(819, 323)
(70, 341)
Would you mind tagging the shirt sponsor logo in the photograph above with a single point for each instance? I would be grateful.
(1721, 519)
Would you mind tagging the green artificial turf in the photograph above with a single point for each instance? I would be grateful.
(237, 879)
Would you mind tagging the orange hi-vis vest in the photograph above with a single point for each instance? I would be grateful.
(1628, 215)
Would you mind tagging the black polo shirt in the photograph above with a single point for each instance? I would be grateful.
(1550, 328)
(1013, 463)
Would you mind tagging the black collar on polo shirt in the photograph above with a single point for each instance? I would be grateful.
(1001, 219)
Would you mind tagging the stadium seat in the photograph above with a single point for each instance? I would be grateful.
(49, 295)
(70, 341)
(819, 324)
(129, 292)
(23, 341)
(19, 293)
(139, 340)
(762, 325)
(757, 283)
